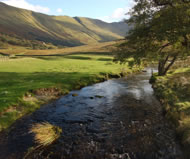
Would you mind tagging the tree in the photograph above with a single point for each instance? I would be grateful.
(161, 32)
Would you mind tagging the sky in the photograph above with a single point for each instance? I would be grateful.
(106, 10)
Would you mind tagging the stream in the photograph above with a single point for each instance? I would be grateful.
(115, 119)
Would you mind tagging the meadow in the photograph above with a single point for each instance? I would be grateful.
(24, 79)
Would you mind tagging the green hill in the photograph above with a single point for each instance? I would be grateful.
(58, 30)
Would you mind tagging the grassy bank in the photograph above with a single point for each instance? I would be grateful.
(22, 80)
(173, 91)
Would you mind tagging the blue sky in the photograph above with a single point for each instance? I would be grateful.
(107, 10)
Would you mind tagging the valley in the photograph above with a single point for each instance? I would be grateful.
(77, 87)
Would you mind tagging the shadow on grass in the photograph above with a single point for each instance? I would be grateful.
(75, 55)
(105, 59)
(95, 53)
(66, 54)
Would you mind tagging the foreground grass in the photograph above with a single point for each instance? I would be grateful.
(174, 92)
(44, 135)
(21, 78)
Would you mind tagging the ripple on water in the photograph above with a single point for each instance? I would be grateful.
(116, 119)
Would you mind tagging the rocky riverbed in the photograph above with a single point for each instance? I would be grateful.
(116, 119)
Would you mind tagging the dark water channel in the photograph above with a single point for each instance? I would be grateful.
(116, 119)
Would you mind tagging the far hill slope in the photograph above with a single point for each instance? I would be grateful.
(59, 30)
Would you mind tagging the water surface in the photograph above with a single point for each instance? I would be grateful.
(116, 119)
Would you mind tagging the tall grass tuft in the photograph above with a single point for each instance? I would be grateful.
(45, 133)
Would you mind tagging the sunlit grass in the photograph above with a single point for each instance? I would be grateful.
(45, 133)
(174, 92)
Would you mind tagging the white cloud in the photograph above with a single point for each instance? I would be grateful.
(24, 4)
(119, 13)
(59, 10)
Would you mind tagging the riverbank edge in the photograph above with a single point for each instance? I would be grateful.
(171, 114)
(35, 99)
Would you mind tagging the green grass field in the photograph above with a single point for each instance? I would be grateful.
(21, 75)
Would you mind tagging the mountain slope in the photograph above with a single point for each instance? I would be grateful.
(59, 30)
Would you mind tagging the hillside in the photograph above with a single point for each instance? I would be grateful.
(58, 30)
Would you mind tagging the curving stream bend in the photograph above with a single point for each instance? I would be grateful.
(116, 119)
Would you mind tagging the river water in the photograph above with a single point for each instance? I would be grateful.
(115, 119)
